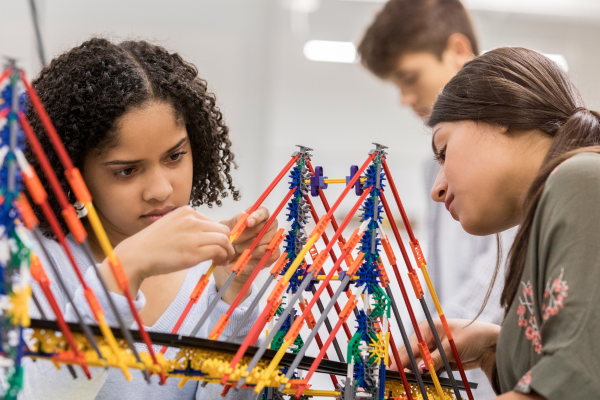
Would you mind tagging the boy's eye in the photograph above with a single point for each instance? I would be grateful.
(410, 79)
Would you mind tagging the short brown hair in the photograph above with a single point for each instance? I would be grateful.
(410, 26)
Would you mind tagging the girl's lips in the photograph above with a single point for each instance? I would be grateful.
(156, 215)
(153, 218)
(448, 202)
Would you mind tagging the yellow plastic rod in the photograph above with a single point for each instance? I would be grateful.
(260, 385)
(112, 343)
(334, 180)
(434, 297)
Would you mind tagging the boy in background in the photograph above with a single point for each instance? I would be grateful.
(419, 45)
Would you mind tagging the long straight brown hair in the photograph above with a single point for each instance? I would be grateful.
(522, 90)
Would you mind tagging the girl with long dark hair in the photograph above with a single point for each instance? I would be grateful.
(517, 146)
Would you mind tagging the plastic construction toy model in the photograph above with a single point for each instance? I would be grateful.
(358, 366)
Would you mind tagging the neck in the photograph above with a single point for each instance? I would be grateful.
(534, 145)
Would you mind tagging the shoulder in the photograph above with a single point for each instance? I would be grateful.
(581, 168)
(578, 176)
(51, 245)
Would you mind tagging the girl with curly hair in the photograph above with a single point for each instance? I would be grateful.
(151, 144)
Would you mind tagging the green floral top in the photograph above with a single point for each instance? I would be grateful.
(550, 339)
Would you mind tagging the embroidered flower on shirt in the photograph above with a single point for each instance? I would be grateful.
(527, 320)
(524, 382)
(554, 295)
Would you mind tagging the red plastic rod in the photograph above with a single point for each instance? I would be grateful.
(38, 273)
(273, 184)
(69, 167)
(400, 367)
(325, 203)
(334, 259)
(350, 185)
(411, 313)
(345, 313)
(50, 130)
(248, 283)
(414, 240)
(5, 74)
(405, 220)
(262, 319)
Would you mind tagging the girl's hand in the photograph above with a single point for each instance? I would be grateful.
(475, 342)
(256, 222)
(180, 240)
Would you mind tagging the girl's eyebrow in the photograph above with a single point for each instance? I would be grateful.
(133, 162)
(179, 144)
(435, 150)
(121, 162)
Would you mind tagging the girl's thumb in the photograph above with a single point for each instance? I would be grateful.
(436, 358)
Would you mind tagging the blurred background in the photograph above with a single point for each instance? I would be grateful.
(276, 91)
(273, 97)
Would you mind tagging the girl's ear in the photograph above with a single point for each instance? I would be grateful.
(503, 128)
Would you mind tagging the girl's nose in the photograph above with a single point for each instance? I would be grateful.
(158, 187)
(440, 187)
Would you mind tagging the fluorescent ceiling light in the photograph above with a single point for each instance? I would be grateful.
(329, 51)
(587, 9)
(561, 8)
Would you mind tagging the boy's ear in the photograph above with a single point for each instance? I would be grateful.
(458, 51)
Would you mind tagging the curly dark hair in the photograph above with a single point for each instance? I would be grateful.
(86, 90)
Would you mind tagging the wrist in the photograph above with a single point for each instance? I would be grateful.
(488, 363)
(136, 265)
(234, 290)
(221, 274)
(488, 359)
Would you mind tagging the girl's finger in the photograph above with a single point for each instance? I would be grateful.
(436, 357)
(415, 349)
(258, 216)
(274, 257)
(216, 253)
(251, 233)
(210, 226)
(259, 251)
(201, 217)
(208, 239)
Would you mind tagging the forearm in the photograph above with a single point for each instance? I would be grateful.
(520, 396)
(131, 267)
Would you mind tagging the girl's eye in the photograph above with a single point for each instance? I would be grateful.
(124, 173)
(177, 157)
(440, 155)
